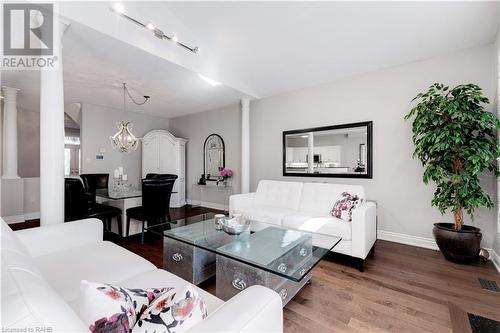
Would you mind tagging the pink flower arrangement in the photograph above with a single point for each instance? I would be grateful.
(226, 173)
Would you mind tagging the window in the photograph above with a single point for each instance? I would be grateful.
(67, 162)
(72, 140)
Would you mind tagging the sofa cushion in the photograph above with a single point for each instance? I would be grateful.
(344, 206)
(27, 299)
(162, 278)
(266, 214)
(9, 240)
(319, 198)
(325, 224)
(101, 261)
(107, 308)
(278, 194)
(172, 313)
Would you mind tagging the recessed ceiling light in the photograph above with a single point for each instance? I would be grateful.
(119, 8)
(304, 136)
(208, 80)
(150, 26)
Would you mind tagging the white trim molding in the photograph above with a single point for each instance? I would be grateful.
(245, 145)
(495, 259)
(21, 218)
(390, 236)
(207, 204)
(13, 219)
(428, 243)
(31, 216)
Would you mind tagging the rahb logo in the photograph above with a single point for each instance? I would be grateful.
(28, 36)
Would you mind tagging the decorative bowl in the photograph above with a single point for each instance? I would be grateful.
(235, 226)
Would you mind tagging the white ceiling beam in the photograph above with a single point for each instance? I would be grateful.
(98, 16)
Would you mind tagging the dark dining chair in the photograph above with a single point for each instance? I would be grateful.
(155, 207)
(77, 206)
(93, 182)
(161, 176)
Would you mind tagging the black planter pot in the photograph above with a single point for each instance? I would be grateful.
(458, 246)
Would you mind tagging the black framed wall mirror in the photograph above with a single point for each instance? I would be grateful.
(214, 157)
(344, 151)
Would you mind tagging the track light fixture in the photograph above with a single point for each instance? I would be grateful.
(119, 9)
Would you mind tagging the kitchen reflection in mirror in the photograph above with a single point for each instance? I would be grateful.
(337, 151)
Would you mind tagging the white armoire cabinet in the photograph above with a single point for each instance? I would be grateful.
(164, 153)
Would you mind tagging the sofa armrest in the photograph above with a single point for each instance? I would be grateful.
(364, 229)
(255, 309)
(238, 201)
(58, 237)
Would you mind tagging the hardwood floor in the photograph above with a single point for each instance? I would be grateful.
(403, 289)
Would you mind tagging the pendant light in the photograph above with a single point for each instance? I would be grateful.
(124, 140)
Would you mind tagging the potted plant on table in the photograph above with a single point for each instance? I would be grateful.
(455, 139)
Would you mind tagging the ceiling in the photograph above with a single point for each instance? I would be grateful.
(262, 48)
(95, 66)
(282, 46)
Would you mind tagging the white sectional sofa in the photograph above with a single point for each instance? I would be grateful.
(42, 269)
(307, 206)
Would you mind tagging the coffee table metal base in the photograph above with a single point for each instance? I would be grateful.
(189, 262)
(197, 265)
(233, 276)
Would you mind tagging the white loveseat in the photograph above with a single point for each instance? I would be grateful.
(307, 206)
(42, 269)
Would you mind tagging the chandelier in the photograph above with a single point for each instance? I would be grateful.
(124, 140)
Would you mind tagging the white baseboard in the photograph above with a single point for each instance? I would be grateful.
(495, 259)
(428, 243)
(390, 236)
(21, 218)
(207, 204)
(14, 219)
(32, 216)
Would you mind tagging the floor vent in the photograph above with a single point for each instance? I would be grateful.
(489, 285)
(480, 324)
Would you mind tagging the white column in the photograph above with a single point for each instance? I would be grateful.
(9, 166)
(245, 145)
(310, 153)
(52, 136)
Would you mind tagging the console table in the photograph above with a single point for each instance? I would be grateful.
(214, 193)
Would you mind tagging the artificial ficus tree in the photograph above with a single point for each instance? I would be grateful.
(455, 139)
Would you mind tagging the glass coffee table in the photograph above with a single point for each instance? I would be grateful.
(269, 255)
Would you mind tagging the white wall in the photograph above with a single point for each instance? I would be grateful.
(404, 202)
(28, 141)
(98, 124)
(196, 127)
(20, 199)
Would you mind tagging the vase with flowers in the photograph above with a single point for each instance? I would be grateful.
(225, 174)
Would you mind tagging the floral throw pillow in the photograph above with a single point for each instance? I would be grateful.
(173, 313)
(111, 309)
(344, 206)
